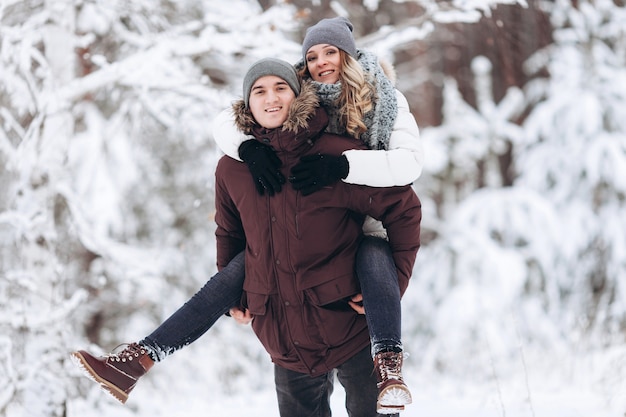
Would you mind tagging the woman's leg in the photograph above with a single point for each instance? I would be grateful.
(381, 298)
(118, 373)
(198, 315)
(378, 277)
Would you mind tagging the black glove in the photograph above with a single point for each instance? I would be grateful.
(316, 171)
(264, 166)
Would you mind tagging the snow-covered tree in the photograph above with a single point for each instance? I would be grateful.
(574, 154)
(539, 262)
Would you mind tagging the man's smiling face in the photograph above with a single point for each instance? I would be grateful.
(270, 98)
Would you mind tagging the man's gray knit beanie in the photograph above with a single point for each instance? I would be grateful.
(270, 66)
(336, 31)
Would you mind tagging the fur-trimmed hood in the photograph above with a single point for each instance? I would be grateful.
(301, 111)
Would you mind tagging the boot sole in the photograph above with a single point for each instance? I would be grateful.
(389, 409)
(393, 399)
(106, 386)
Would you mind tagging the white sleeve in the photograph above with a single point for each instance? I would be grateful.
(400, 165)
(226, 134)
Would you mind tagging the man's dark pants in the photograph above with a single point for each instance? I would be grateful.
(304, 396)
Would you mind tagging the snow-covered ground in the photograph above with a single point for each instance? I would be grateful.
(534, 383)
(552, 394)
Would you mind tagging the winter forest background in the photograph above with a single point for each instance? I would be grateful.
(517, 306)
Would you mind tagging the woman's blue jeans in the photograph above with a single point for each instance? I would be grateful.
(379, 285)
(378, 277)
(200, 312)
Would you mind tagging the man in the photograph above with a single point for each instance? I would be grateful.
(300, 250)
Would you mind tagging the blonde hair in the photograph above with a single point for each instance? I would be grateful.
(356, 97)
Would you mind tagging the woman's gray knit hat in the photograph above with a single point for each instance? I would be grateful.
(336, 31)
(270, 66)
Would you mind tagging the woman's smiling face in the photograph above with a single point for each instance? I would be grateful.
(324, 63)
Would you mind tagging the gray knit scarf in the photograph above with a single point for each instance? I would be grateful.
(380, 119)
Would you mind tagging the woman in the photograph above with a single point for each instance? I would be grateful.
(362, 103)
(395, 146)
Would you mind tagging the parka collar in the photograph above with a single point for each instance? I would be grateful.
(301, 111)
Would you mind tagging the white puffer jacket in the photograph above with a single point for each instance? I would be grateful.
(400, 165)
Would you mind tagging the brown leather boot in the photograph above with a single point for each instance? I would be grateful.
(393, 394)
(117, 373)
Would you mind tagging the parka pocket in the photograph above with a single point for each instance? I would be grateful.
(335, 290)
(271, 326)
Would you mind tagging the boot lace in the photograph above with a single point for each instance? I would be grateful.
(131, 351)
(389, 365)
